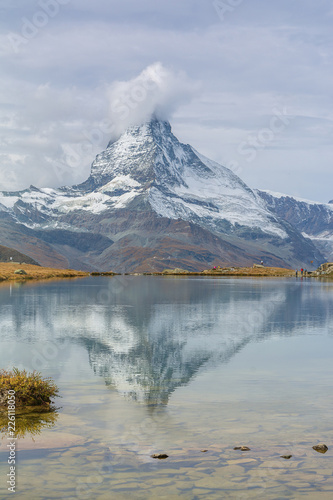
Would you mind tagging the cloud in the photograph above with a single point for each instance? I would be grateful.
(156, 91)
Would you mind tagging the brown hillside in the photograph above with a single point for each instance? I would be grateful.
(6, 253)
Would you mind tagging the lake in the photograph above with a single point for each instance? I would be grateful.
(187, 366)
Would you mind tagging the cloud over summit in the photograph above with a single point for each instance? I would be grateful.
(60, 130)
(156, 91)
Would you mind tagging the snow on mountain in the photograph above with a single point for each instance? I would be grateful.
(214, 194)
(298, 199)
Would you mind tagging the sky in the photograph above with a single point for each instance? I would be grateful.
(247, 83)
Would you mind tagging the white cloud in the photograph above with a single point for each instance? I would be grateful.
(157, 91)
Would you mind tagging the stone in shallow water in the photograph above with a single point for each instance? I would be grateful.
(321, 448)
(242, 448)
(160, 456)
(287, 457)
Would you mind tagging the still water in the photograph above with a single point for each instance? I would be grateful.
(190, 367)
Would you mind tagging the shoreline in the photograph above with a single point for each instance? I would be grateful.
(15, 272)
(12, 272)
(272, 272)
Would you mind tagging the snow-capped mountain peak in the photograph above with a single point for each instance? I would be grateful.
(149, 173)
(177, 182)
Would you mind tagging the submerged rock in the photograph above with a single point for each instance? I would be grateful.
(321, 448)
(242, 448)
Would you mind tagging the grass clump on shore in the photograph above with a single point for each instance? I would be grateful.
(31, 389)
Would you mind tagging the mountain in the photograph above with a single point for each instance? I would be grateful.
(313, 219)
(151, 203)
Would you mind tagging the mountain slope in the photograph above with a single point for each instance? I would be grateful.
(9, 254)
(313, 219)
(152, 202)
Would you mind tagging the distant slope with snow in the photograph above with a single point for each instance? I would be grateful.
(313, 219)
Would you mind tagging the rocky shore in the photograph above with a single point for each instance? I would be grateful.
(325, 270)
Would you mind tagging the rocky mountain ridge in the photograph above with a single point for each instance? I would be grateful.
(313, 219)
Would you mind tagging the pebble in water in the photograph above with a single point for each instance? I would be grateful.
(321, 448)
(160, 456)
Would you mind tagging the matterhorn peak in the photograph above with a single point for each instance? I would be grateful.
(154, 126)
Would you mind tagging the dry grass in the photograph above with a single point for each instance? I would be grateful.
(233, 271)
(35, 272)
(252, 271)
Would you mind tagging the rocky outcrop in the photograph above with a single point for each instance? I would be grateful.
(324, 270)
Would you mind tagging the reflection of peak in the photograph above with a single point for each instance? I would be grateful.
(165, 351)
(146, 375)
(157, 334)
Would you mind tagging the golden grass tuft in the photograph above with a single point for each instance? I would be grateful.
(31, 389)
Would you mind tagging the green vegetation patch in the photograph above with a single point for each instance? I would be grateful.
(31, 389)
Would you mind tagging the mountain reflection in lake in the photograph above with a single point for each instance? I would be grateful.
(147, 336)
